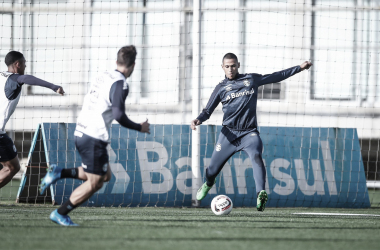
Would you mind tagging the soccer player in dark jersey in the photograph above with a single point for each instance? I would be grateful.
(104, 102)
(238, 95)
(11, 82)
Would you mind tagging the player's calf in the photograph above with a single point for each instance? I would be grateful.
(10, 169)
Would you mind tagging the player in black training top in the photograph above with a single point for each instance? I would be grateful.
(238, 95)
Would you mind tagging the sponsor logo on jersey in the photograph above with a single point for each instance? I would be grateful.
(228, 87)
(246, 83)
(218, 147)
(239, 94)
(105, 166)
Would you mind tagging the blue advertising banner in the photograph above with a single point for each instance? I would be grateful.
(306, 167)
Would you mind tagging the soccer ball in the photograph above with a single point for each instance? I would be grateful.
(221, 205)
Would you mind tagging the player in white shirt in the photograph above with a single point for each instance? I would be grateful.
(104, 102)
(11, 82)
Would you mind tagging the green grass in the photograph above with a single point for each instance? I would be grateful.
(8, 193)
(28, 227)
(374, 197)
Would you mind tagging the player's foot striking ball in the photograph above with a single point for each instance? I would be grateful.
(63, 220)
(53, 174)
(202, 191)
(238, 94)
(262, 199)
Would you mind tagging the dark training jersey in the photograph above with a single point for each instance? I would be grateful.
(239, 99)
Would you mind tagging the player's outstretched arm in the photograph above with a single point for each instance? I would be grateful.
(212, 103)
(306, 65)
(118, 94)
(281, 75)
(34, 81)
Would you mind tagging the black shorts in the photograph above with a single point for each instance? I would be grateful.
(93, 153)
(8, 150)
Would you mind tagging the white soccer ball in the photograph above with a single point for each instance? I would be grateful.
(221, 205)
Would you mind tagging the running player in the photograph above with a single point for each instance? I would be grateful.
(104, 102)
(238, 95)
(11, 83)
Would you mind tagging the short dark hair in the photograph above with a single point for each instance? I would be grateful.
(126, 55)
(230, 56)
(13, 57)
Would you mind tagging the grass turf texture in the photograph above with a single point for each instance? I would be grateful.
(24, 226)
(28, 227)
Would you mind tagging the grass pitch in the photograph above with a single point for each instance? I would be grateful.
(28, 227)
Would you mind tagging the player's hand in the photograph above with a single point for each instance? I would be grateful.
(306, 65)
(145, 127)
(60, 91)
(195, 123)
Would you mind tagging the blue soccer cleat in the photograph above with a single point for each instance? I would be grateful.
(53, 174)
(63, 220)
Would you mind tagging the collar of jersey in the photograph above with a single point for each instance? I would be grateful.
(236, 77)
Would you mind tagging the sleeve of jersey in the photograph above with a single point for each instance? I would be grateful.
(277, 76)
(31, 80)
(211, 105)
(117, 98)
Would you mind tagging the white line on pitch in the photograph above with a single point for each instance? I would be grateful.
(339, 214)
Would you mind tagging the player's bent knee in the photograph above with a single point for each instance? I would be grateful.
(107, 176)
(16, 168)
(12, 167)
(97, 184)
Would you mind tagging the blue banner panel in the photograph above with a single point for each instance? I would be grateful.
(306, 167)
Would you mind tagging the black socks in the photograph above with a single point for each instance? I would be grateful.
(70, 173)
(66, 208)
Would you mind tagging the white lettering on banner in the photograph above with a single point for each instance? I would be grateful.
(183, 176)
(285, 187)
(282, 177)
(146, 167)
(329, 170)
(117, 169)
(305, 188)
(227, 177)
